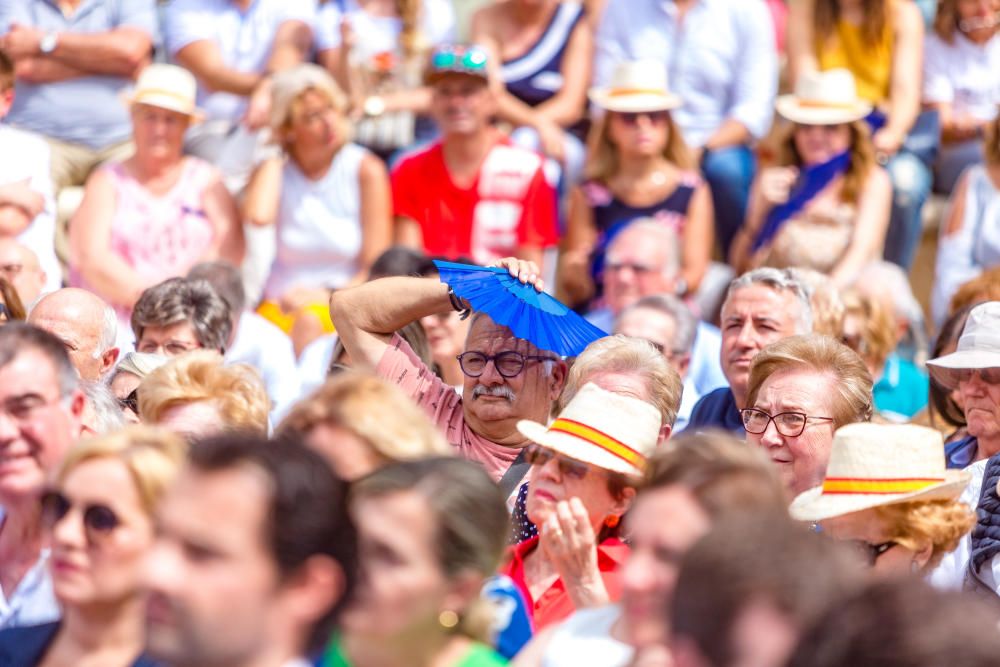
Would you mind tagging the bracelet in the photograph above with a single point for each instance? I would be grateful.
(458, 304)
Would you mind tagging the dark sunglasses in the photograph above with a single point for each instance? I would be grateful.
(537, 455)
(950, 378)
(130, 402)
(632, 117)
(98, 520)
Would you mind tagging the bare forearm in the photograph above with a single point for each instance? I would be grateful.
(113, 279)
(120, 52)
(45, 70)
(13, 220)
(385, 305)
(730, 133)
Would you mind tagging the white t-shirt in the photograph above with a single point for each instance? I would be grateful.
(244, 38)
(964, 74)
(950, 572)
(376, 34)
(585, 639)
(266, 347)
(30, 161)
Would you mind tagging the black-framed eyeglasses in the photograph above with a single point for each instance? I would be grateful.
(130, 402)
(98, 520)
(869, 552)
(508, 363)
(632, 117)
(788, 424)
(537, 455)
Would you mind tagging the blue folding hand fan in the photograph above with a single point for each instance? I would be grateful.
(532, 315)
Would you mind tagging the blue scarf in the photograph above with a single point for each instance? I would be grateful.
(810, 182)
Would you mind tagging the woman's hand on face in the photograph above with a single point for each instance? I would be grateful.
(569, 543)
(776, 184)
(259, 106)
(525, 271)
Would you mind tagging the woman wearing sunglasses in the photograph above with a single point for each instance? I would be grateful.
(99, 517)
(639, 167)
(584, 469)
(888, 495)
(826, 205)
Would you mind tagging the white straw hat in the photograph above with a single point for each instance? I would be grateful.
(978, 346)
(167, 87)
(880, 464)
(824, 98)
(639, 85)
(607, 430)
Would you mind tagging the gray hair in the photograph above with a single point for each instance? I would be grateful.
(685, 324)
(226, 280)
(107, 413)
(179, 300)
(667, 238)
(17, 337)
(139, 364)
(109, 332)
(633, 356)
(779, 280)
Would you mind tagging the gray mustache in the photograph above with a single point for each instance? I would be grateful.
(501, 390)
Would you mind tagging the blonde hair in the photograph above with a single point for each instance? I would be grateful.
(984, 287)
(377, 412)
(850, 381)
(824, 297)
(235, 390)
(603, 163)
(940, 524)
(862, 159)
(878, 331)
(291, 85)
(152, 456)
(622, 354)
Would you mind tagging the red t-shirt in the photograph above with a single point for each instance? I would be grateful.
(509, 205)
(554, 604)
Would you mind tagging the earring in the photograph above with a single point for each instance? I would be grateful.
(448, 619)
(611, 521)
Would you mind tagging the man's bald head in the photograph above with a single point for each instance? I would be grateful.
(19, 265)
(85, 324)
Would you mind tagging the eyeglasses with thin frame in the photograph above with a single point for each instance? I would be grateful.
(788, 424)
(537, 455)
(869, 553)
(508, 363)
(98, 520)
(950, 378)
(171, 348)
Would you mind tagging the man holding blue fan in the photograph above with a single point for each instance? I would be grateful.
(507, 379)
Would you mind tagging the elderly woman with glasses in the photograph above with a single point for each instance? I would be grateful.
(801, 390)
(584, 469)
(99, 517)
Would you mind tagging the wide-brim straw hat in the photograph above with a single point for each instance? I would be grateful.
(824, 98)
(607, 430)
(167, 87)
(978, 346)
(636, 86)
(880, 464)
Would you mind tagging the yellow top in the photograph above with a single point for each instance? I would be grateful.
(871, 65)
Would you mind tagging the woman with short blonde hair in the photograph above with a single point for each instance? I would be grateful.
(360, 422)
(197, 394)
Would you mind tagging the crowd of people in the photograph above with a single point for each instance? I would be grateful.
(249, 419)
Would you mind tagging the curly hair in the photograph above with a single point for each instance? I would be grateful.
(919, 524)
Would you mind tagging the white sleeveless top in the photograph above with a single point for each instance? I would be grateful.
(585, 639)
(319, 226)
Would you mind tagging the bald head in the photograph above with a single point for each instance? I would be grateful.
(19, 265)
(85, 324)
(643, 259)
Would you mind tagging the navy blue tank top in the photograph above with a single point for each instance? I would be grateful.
(537, 75)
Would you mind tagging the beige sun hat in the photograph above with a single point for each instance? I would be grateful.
(167, 87)
(607, 430)
(638, 85)
(880, 464)
(824, 98)
(978, 346)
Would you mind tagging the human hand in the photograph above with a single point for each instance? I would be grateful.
(776, 184)
(525, 271)
(887, 143)
(258, 113)
(552, 139)
(21, 41)
(347, 39)
(569, 543)
(20, 194)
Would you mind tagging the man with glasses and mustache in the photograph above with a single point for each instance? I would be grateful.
(40, 415)
(507, 379)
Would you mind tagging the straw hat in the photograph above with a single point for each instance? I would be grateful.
(607, 430)
(978, 346)
(167, 87)
(639, 85)
(880, 464)
(824, 98)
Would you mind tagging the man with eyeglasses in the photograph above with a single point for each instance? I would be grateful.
(473, 193)
(20, 267)
(507, 379)
(40, 416)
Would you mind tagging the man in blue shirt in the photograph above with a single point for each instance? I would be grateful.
(762, 306)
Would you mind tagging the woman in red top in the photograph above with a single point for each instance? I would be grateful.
(584, 468)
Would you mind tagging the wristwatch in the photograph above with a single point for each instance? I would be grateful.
(47, 44)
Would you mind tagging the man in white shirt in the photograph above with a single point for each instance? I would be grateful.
(722, 61)
(232, 46)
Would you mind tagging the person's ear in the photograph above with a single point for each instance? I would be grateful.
(622, 505)
(314, 589)
(665, 432)
(922, 557)
(463, 589)
(109, 359)
(557, 379)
